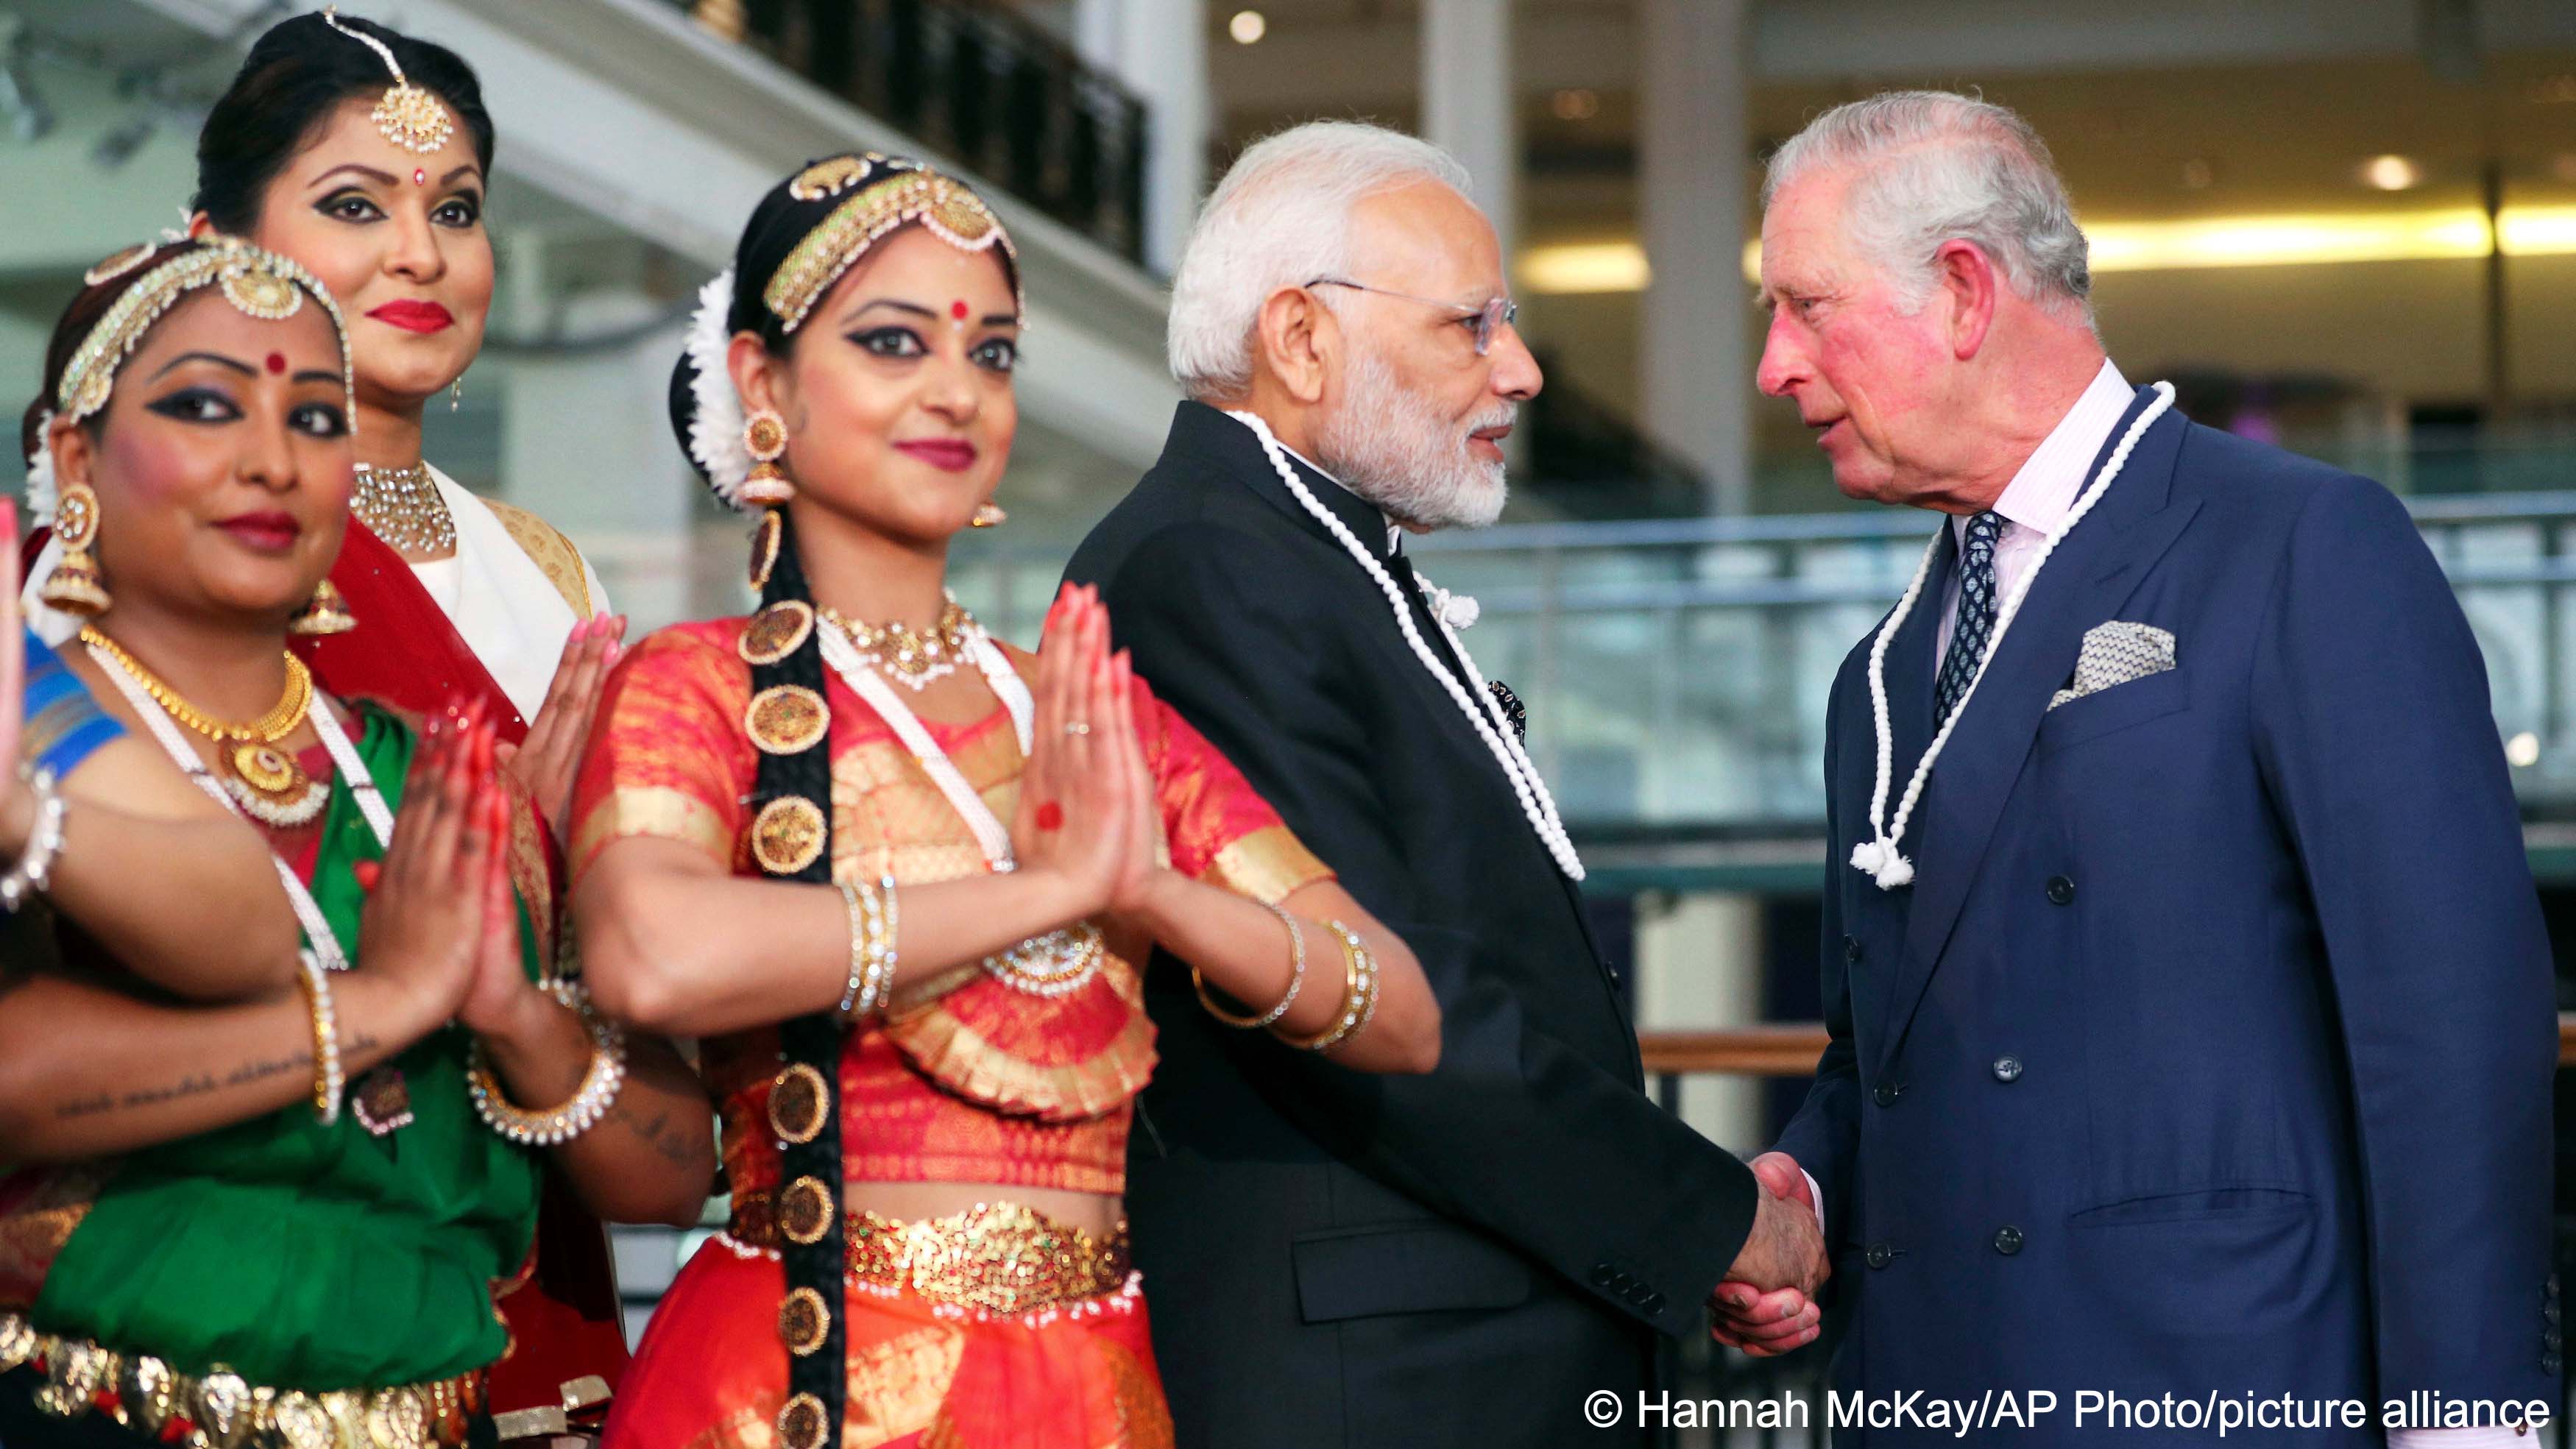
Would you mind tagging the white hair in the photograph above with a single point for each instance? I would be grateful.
(1281, 217)
(1936, 167)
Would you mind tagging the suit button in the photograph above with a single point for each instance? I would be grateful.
(1885, 1095)
(1603, 1275)
(1880, 1255)
(2007, 1069)
(1654, 1303)
(2549, 1365)
(1851, 950)
(2007, 1240)
(2060, 890)
(2550, 1312)
(2551, 1338)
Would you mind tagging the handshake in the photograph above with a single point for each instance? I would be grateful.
(1767, 1305)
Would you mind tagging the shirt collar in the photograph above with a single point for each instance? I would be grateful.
(1394, 533)
(2053, 477)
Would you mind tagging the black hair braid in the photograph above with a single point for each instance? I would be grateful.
(814, 1040)
(810, 1046)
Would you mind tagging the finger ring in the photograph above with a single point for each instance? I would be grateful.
(1076, 727)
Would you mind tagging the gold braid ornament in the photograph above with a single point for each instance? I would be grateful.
(264, 779)
(947, 209)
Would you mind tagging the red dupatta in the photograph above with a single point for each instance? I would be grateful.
(563, 1312)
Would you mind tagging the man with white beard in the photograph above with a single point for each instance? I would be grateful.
(1460, 1257)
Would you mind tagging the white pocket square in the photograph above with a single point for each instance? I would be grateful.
(2116, 653)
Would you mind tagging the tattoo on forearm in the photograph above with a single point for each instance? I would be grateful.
(198, 1084)
(672, 1145)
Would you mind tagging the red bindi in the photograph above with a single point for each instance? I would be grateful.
(419, 177)
(1050, 816)
(957, 310)
(276, 362)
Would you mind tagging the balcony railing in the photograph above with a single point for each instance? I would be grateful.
(982, 86)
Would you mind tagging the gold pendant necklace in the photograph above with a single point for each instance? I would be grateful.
(910, 659)
(265, 779)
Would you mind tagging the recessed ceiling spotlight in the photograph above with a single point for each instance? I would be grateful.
(2197, 174)
(1247, 27)
(2391, 173)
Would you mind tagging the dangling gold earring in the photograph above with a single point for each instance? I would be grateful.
(75, 586)
(456, 394)
(764, 436)
(988, 514)
(327, 613)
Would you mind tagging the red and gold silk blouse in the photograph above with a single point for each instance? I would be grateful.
(984, 1083)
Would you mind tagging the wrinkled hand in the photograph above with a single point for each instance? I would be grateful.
(1076, 803)
(424, 922)
(1767, 1304)
(547, 760)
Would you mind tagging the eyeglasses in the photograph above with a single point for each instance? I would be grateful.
(1496, 313)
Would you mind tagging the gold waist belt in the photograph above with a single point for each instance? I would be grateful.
(999, 1257)
(220, 1410)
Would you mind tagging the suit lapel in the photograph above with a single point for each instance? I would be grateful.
(2084, 582)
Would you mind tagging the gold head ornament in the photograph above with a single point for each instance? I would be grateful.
(884, 193)
(256, 282)
(405, 115)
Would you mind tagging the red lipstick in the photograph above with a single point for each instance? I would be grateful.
(414, 316)
(269, 530)
(954, 455)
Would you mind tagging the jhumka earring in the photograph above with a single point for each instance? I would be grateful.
(75, 586)
(327, 613)
(764, 436)
(988, 514)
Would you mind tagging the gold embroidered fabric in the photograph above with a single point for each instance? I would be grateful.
(39, 1209)
(551, 552)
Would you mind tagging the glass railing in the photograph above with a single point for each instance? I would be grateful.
(982, 86)
(1676, 670)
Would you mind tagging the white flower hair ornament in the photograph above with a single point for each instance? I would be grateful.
(42, 491)
(716, 422)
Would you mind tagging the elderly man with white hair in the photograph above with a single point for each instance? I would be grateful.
(2191, 1015)
(1455, 1258)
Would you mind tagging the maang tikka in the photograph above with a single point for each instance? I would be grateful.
(405, 115)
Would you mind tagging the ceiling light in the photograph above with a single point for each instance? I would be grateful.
(1576, 104)
(2391, 173)
(1247, 27)
(2197, 174)
(2522, 751)
(1577, 267)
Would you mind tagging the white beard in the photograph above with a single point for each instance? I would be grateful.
(1392, 448)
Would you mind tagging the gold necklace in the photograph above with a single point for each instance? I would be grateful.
(910, 659)
(265, 780)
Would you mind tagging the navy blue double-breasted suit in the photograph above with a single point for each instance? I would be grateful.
(2210, 1050)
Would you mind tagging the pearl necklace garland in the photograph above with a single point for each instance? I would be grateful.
(403, 507)
(1878, 857)
(1536, 803)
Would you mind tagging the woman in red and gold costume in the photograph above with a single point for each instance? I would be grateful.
(923, 1026)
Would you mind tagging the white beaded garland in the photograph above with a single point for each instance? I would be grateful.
(1486, 716)
(1878, 857)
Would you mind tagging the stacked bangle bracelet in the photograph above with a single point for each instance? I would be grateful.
(1359, 995)
(872, 946)
(590, 1103)
(1296, 978)
(1058, 963)
(44, 842)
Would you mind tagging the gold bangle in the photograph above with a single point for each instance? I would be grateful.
(1296, 977)
(1359, 995)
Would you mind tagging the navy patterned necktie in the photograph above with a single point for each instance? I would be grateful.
(1976, 622)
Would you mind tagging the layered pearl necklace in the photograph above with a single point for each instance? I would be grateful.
(1487, 717)
(403, 507)
(1878, 857)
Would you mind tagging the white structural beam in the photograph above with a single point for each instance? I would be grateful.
(1158, 49)
(1692, 157)
(1467, 101)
